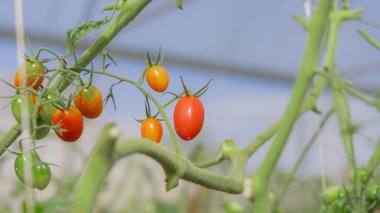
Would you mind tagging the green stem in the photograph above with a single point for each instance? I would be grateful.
(8, 138)
(183, 167)
(309, 104)
(96, 170)
(303, 155)
(130, 10)
(374, 162)
(260, 179)
(368, 38)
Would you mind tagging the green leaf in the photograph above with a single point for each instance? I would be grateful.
(76, 34)
(179, 4)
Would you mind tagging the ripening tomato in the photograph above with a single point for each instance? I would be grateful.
(71, 121)
(157, 78)
(29, 69)
(89, 101)
(151, 128)
(188, 117)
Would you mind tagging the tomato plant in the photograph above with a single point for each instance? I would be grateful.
(151, 128)
(70, 121)
(29, 69)
(157, 78)
(89, 102)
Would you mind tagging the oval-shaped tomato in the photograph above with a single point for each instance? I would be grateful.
(151, 128)
(21, 103)
(71, 122)
(41, 175)
(29, 69)
(188, 117)
(89, 101)
(157, 78)
(26, 160)
(333, 193)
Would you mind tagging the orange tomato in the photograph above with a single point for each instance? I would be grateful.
(89, 101)
(157, 78)
(151, 128)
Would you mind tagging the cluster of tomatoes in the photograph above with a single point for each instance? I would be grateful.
(188, 112)
(336, 198)
(55, 112)
(68, 120)
(88, 102)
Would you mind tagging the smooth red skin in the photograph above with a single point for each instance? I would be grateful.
(71, 120)
(30, 69)
(151, 128)
(157, 78)
(188, 117)
(92, 107)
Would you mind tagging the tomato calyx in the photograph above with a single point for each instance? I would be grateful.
(198, 93)
(160, 58)
(148, 113)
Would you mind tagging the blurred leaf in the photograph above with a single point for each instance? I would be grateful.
(76, 34)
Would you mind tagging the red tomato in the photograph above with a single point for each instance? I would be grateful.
(151, 128)
(71, 121)
(188, 117)
(30, 68)
(89, 101)
(157, 78)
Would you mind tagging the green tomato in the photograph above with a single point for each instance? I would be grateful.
(48, 109)
(333, 193)
(25, 159)
(41, 175)
(40, 171)
(41, 132)
(362, 174)
(19, 104)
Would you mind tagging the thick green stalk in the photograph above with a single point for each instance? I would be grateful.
(183, 167)
(260, 180)
(309, 104)
(340, 99)
(98, 166)
(8, 138)
(131, 9)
